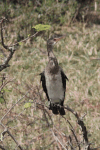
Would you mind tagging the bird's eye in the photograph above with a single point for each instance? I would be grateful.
(55, 39)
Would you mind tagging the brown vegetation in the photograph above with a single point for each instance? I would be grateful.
(26, 122)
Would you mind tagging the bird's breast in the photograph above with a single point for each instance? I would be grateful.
(54, 86)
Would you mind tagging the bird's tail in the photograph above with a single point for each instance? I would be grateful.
(55, 110)
(58, 109)
(61, 111)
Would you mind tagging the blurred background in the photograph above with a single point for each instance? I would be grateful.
(79, 56)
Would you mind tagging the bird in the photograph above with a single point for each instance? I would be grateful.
(54, 79)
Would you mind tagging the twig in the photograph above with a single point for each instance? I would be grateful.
(13, 106)
(70, 143)
(62, 135)
(7, 131)
(57, 140)
(84, 131)
(72, 129)
(46, 118)
(2, 41)
(72, 111)
(74, 15)
(14, 139)
(4, 84)
(11, 48)
(49, 145)
(97, 148)
(83, 127)
(26, 39)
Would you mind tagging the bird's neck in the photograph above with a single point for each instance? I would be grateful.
(53, 63)
(50, 52)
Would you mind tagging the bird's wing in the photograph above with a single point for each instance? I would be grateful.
(42, 79)
(64, 77)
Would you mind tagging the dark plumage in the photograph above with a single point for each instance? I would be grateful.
(54, 80)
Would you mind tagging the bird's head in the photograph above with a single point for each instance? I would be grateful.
(54, 39)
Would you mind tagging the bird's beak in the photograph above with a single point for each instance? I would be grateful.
(59, 38)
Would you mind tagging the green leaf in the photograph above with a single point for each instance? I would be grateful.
(20, 43)
(27, 105)
(6, 90)
(1, 55)
(41, 27)
(1, 100)
(31, 100)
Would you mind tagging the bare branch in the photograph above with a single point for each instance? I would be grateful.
(84, 131)
(13, 107)
(83, 127)
(26, 39)
(4, 84)
(72, 111)
(14, 139)
(72, 129)
(70, 143)
(7, 131)
(11, 48)
(2, 41)
(97, 148)
(57, 140)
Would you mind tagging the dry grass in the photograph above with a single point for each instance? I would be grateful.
(76, 55)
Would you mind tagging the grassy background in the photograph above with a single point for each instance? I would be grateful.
(76, 55)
